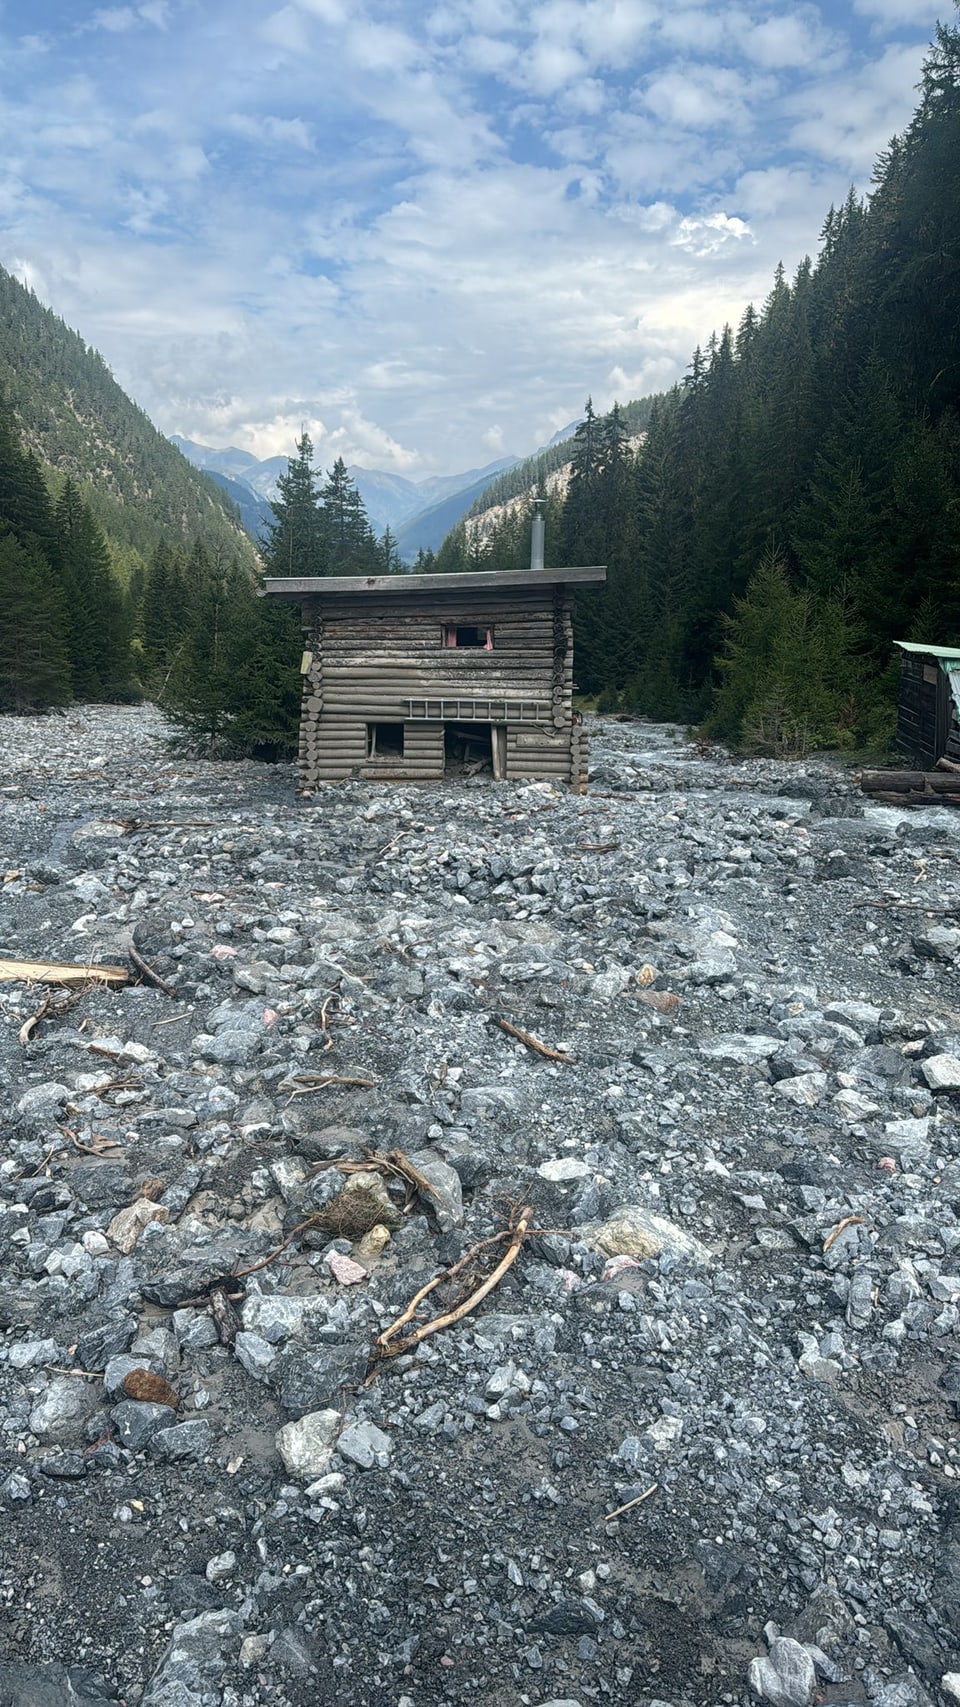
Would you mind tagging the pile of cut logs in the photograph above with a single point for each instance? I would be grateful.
(940, 787)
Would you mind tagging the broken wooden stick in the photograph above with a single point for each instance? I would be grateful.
(388, 1346)
(395, 1162)
(146, 971)
(51, 972)
(529, 1042)
(225, 1318)
(49, 1009)
(29, 1026)
(301, 1227)
(301, 1084)
(841, 1227)
(98, 1146)
(631, 1503)
(322, 1025)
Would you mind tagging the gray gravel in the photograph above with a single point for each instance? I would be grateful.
(738, 1318)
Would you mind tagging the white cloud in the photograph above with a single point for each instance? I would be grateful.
(849, 120)
(613, 30)
(697, 31)
(267, 129)
(381, 47)
(287, 30)
(329, 11)
(118, 20)
(795, 40)
(698, 97)
(114, 18)
(487, 54)
(657, 373)
(425, 231)
(890, 13)
(709, 235)
(549, 65)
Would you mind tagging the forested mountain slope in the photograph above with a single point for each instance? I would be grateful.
(795, 506)
(548, 469)
(79, 421)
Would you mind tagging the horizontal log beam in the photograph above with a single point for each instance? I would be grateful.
(904, 782)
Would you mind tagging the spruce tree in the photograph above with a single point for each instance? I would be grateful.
(352, 548)
(34, 667)
(99, 623)
(297, 545)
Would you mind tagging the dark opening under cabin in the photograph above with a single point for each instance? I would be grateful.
(928, 714)
(417, 677)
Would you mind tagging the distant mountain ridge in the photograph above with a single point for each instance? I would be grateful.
(391, 501)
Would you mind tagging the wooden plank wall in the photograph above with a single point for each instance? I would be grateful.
(917, 711)
(368, 659)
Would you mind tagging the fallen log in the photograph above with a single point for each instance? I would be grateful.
(49, 972)
(923, 783)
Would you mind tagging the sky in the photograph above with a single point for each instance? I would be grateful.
(427, 230)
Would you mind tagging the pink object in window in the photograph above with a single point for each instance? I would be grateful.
(450, 637)
(488, 643)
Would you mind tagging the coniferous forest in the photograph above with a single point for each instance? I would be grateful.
(185, 626)
(795, 504)
(770, 526)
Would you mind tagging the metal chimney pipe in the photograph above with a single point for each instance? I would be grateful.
(536, 538)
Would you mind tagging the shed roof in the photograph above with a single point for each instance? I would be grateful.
(297, 587)
(949, 655)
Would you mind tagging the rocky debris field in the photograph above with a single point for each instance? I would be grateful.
(697, 1444)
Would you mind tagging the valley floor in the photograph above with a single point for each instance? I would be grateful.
(739, 1319)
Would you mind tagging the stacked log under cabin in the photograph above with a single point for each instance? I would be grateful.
(416, 677)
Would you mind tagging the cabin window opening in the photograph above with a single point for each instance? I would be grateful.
(384, 740)
(460, 635)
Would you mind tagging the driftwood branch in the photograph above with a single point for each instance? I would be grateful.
(631, 1503)
(50, 1009)
(841, 1227)
(907, 907)
(51, 972)
(322, 1023)
(146, 971)
(301, 1084)
(387, 1345)
(225, 1318)
(529, 1042)
(301, 1227)
(99, 1146)
(395, 1162)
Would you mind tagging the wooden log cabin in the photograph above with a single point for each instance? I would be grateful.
(928, 714)
(416, 677)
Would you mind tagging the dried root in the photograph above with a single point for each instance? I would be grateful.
(358, 1208)
(389, 1345)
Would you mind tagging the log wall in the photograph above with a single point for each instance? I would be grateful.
(382, 659)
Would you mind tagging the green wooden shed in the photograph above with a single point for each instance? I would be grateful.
(928, 716)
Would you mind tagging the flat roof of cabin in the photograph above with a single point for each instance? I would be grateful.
(947, 654)
(332, 586)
